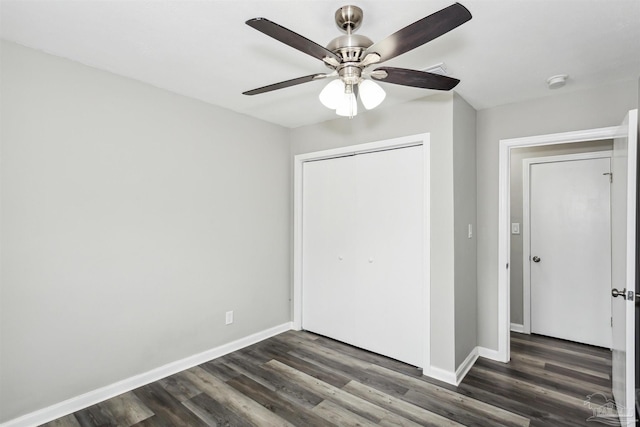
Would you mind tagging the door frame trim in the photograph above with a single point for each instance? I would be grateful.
(422, 139)
(504, 216)
(526, 202)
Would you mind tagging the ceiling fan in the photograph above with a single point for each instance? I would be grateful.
(349, 56)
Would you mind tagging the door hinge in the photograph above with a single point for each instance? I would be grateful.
(612, 321)
(507, 266)
(610, 176)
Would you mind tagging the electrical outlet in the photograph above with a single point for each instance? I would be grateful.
(228, 318)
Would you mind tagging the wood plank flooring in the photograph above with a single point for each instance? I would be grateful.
(302, 379)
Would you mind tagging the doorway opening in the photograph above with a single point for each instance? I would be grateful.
(623, 250)
(504, 216)
(560, 270)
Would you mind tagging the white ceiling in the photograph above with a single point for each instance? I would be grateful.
(203, 49)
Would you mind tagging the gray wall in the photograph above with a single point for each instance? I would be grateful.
(464, 201)
(433, 114)
(565, 111)
(516, 189)
(132, 219)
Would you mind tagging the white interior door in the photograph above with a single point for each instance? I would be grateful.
(623, 235)
(570, 250)
(362, 274)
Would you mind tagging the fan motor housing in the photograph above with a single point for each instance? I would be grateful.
(350, 47)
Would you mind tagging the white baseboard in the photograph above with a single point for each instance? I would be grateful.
(454, 378)
(466, 365)
(489, 353)
(448, 377)
(515, 327)
(96, 396)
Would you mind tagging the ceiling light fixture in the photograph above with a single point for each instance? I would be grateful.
(371, 94)
(332, 94)
(348, 106)
(343, 97)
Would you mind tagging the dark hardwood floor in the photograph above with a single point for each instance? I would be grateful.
(302, 379)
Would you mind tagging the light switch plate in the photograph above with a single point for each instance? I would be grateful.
(515, 228)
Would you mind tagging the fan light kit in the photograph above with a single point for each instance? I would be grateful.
(349, 55)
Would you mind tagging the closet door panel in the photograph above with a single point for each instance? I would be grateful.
(389, 255)
(329, 292)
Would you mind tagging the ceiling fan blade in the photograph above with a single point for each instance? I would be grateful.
(414, 78)
(292, 39)
(421, 32)
(286, 83)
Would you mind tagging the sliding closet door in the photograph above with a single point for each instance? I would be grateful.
(328, 248)
(391, 304)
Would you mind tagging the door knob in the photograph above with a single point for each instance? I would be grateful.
(616, 293)
(536, 259)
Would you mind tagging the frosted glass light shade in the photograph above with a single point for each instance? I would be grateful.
(348, 106)
(371, 94)
(332, 94)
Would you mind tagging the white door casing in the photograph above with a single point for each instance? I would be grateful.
(623, 241)
(362, 251)
(568, 247)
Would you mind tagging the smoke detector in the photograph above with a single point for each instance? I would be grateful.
(556, 82)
